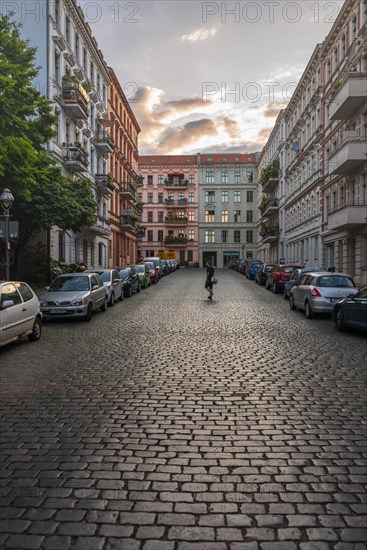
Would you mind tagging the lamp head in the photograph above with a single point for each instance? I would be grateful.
(6, 199)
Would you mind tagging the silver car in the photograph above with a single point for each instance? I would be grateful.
(74, 295)
(112, 282)
(19, 313)
(318, 292)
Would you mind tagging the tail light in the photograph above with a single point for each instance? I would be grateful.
(314, 292)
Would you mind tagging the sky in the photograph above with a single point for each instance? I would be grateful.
(208, 76)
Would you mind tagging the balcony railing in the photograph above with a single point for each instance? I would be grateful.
(176, 221)
(351, 154)
(349, 214)
(272, 206)
(127, 191)
(75, 100)
(178, 202)
(176, 183)
(349, 96)
(128, 222)
(75, 158)
(270, 236)
(104, 184)
(176, 240)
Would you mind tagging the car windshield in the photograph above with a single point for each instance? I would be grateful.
(140, 268)
(124, 272)
(255, 264)
(70, 284)
(105, 276)
(150, 266)
(269, 268)
(335, 281)
(288, 269)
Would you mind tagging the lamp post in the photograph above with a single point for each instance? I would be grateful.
(6, 201)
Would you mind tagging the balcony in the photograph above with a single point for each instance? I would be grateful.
(127, 191)
(176, 241)
(128, 222)
(272, 207)
(351, 154)
(175, 220)
(270, 237)
(349, 215)
(102, 227)
(178, 203)
(75, 159)
(104, 184)
(103, 143)
(349, 97)
(176, 183)
(75, 100)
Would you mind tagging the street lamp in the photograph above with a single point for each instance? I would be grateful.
(6, 201)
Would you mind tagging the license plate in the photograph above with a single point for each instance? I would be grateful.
(57, 311)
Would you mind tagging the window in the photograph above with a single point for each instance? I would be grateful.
(77, 47)
(190, 255)
(237, 196)
(249, 236)
(191, 216)
(57, 67)
(209, 196)
(191, 235)
(237, 236)
(191, 179)
(150, 198)
(160, 235)
(224, 196)
(210, 177)
(210, 216)
(181, 196)
(224, 216)
(9, 292)
(209, 236)
(249, 216)
(237, 177)
(67, 29)
(85, 60)
(92, 73)
(150, 216)
(150, 180)
(224, 236)
(250, 177)
(224, 177)
(160, 216)
(354, 28)
(150, 235)
(57, 12)
(160, 198)
(191, 196)
(160, 180)
(250, 196)
(237, 216)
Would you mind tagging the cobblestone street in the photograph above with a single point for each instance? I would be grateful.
(174, 423)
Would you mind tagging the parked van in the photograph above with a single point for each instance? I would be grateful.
(157, 262)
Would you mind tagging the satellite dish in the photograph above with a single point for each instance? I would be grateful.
(295, 146)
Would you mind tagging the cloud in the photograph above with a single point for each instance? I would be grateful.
(273, 109)
(199, 34)
(180, 138)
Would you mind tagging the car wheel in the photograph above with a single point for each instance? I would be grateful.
(139, 288)
(129, 292)
(308, 311)
(105, 304)
(339, 320)
(88, 316)
(275, 288)
(36, 330)
(122, 295)
(111, 303)
(291, 302)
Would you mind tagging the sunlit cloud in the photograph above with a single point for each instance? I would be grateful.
(199, 34)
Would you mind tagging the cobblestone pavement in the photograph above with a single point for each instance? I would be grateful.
(174, 423)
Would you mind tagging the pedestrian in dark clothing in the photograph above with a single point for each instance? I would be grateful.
(208, 280)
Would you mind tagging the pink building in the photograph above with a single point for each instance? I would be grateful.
(171, 209)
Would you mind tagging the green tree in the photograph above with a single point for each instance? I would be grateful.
(43, 196)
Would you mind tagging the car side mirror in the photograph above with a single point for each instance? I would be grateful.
(7, 303)
(95, 287)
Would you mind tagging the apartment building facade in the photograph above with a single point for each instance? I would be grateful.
(123, 207)
(75, 77)
(170, 212)
(324, 155)
(227, 207)
(344, 191)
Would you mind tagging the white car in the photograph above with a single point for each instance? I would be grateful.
(20, 313)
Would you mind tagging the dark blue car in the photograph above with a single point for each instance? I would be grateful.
(252, 268)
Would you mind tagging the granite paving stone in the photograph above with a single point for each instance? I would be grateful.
(231, 424)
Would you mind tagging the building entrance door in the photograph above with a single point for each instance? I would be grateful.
(211, 256)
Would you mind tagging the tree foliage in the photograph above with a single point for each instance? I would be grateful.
(43, 196)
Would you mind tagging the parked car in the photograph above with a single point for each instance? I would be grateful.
(74, 295)
(153, 271)
(351, 312)
(112, 282)
(144, 275)
(278, 277)
(318, 292)
(20, 313)
(157, 262)
(295, 278)
(252, 268)
(262, 273)
(130, 280)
